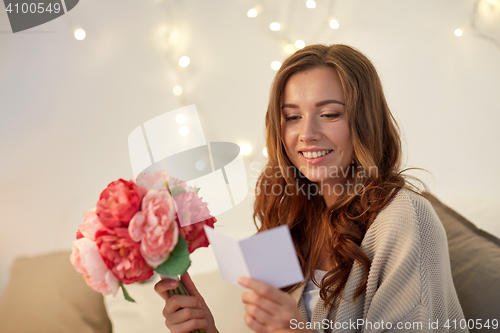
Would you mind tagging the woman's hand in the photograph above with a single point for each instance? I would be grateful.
(185, 313)
(268, 309)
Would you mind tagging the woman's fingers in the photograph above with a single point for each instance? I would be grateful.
(255, 325)
(163, 286)
(176, 302)
(261, 288)
(189, 284)
(267, 308)
(251, 297)
(185, 314)
(266, 291)
(261, 315)
(188, 326)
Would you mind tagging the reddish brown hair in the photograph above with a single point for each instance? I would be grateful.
(338, 229)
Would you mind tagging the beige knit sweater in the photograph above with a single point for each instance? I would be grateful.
(410, 288)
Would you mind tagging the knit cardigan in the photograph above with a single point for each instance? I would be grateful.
(410, 288)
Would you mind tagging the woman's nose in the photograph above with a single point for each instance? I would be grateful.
(310, 130)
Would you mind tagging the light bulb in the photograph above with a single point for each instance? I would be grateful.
(80, 34)
(311, 4)
(334, 24)
(276, 65)
(264, 152)
(458, 32)
(289, 49)
(300, 44)
(245, 149)
(252, 12)
(183, 130)
(184, 61)
(180, 119)
(275, 26)
(177, 90)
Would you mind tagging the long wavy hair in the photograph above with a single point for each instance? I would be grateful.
(340, 228)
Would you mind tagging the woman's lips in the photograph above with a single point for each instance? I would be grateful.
(316, 160)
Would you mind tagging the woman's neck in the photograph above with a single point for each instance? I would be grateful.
(333, 188)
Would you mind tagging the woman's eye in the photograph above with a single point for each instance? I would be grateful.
(331, 115)
(292, 118)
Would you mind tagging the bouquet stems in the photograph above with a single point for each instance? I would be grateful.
(181, 290)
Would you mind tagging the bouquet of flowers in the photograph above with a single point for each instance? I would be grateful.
(140, 228)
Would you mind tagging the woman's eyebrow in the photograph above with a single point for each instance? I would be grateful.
(329, 101)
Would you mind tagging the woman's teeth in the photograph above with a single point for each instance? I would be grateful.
(315, 154)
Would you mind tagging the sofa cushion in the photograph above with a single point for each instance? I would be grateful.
(45, 294)
(475, 264)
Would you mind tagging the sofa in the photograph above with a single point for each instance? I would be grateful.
(46, 295)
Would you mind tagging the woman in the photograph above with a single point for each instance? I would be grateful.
(372, 249)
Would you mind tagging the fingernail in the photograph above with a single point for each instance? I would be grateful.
(241, 280)
(172, 283)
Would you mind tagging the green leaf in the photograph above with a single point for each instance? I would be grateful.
(176, 190)
(125, 293)
(178, 262)
(197, 190)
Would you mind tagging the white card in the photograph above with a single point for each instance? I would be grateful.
(268, 256)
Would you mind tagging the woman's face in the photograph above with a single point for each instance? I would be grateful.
(314, 127)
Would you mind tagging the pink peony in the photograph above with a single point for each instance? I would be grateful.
(122, 255)
(153, 180)
(192, 215)
(86, 259)
(91, 224)
(190, 208)
(155, 227)
(119, 202)
(157, 179)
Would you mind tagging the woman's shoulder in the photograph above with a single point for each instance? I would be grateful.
(409, 219)
(408, 207)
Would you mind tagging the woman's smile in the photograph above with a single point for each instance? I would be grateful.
(316, 156)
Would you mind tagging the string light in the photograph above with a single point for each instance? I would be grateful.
(300, 44)
(184, 61)
(252, 12)
(177, 90)
(245, 149)
(275, 26)
(458, 32)
(80, 34)
(311, 4)
(334, 24)
(276, 65)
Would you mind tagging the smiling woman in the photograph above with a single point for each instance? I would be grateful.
(314, 127)
(372, 249)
